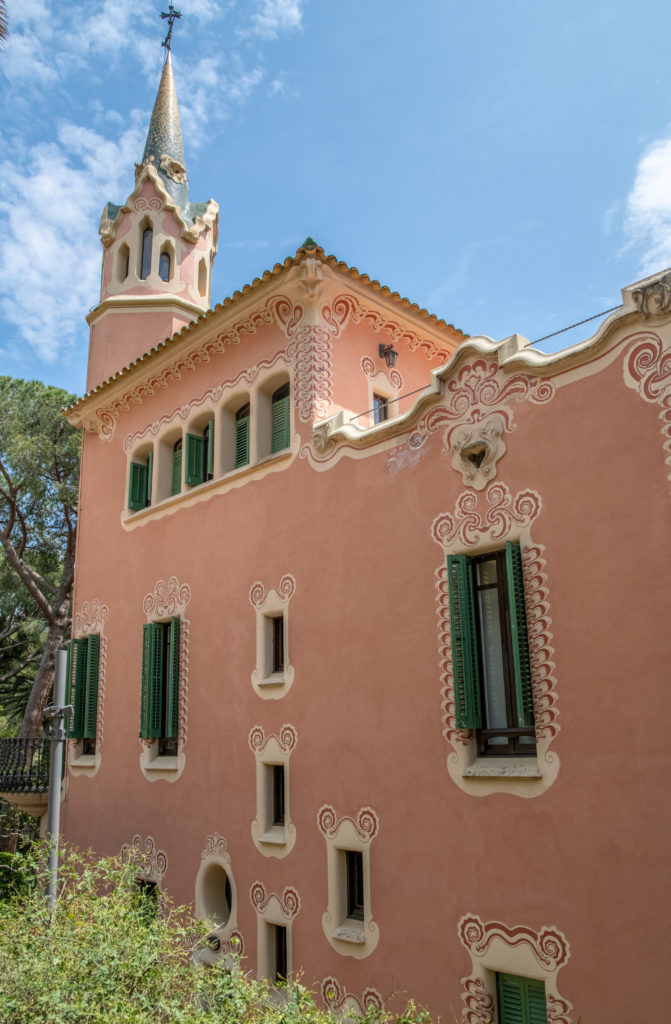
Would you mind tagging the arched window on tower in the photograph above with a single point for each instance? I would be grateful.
(145, 264)
(202, 277)
(164, 265)
(123, 258)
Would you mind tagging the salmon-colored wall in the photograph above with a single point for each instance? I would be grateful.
(588, 856)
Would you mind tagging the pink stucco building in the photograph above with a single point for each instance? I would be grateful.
(371, 661)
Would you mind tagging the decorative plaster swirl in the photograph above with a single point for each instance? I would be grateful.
(91, 618)
(168, 598)
(366, 823)
(213, 396)
(215, 846)
(143, 855)
(470, 527)
(285, 589)
(549, 947)
(653, 299)
(147, 204)
(647, 370)
(289, 901)
(286, 740)
(379, 322)
(372, 371)
(234, 945)
(334, 997)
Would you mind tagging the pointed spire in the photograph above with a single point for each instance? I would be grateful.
(164, 139)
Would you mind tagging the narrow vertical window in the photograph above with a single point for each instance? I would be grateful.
(354, 867)
(82, 671)
(277, 813)
(164, 266)
(145, 264)
(202, 278)
(242, 436)
(380, 408)
(159, 715)
(280, 419)
(280, 958)
(208, 454)
(177, 467)
(278, 643)
(123, 259)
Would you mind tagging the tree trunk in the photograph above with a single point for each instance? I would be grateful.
(43, 685)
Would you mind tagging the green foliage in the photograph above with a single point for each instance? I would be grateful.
(101, 957)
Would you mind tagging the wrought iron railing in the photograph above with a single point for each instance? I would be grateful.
(24, 765)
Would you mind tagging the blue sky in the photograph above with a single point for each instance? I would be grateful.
(505, 165)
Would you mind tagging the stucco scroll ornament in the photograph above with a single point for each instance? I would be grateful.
(548, 947)
(398, 333)
(654, 298)
(285, 589)
(215, 845)
(143, 203)
(169, 597)
(289, 901)
(91, 618)
(470, 527)
(372, 371)
(477, 448)
(143, 855)
(286, 740)
(647, 370)
(366, 822)
(173, 169)
(335, 997)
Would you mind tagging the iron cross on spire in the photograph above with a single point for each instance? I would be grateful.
(172, 16)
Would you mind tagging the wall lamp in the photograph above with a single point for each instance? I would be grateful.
(389, 354)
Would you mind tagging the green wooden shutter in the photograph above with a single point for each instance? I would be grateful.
(464, 643)
(521, 1000)
(150, 473)
(242, 441)
(152, 677)
(137, 486)
(210, 448)
(69, 729)
(176, 471)
(79, 681)
(518, 628)
(195, 451)
(172, 689)
(280, 424)
(91, 700)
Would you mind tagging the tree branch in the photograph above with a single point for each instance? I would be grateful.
(25, 574)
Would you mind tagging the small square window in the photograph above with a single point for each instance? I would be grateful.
(380, 408)
(355, 898)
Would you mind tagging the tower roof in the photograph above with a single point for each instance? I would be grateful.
(164, 147)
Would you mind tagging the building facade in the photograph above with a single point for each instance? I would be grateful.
(369, 660)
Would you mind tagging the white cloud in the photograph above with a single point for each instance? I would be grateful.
(50, 202)
(648, 216)
(275, 16)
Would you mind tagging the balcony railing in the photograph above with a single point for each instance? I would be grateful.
(24, 765)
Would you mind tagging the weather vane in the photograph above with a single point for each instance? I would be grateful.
(172, 15)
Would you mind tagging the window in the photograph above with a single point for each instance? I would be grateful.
(380, 408)
(242, 436)
(277, 644)
(164, 266)
(147, 899)
(490, 651)
(277, 794)
(83, 661)
(200, 456)
(177, 467)
(279, 428)
(202, 277)
(521, 1000)
(139, 483)
(159, 716)
(145, 262)
(123, 262)
(354, 868)
(279, 941)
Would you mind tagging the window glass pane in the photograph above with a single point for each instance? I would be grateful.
(486, 571)
(491, 650)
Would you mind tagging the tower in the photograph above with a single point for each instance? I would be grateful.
(159, 250)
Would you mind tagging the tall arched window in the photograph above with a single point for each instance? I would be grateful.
(145, 266)
(164, 266)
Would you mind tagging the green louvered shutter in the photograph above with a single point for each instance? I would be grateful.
(195, 450)
(69, 688)
(137, 486)
(152, 677)
(79, 686)
(280, 424)
(464, 643)
(176, 471)
(521, 1000)
(242, 441)
(172, 695)
(91, 699)
(536, 1004)
(210, 448)
(518, 628)
(150, 473)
